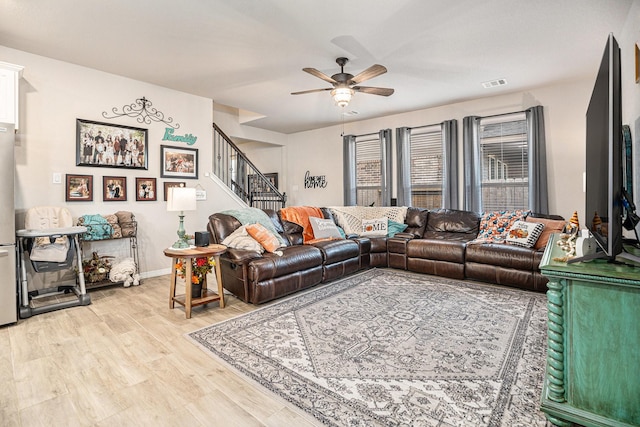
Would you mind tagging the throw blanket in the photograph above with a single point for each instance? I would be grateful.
(300, 215)
(350, 217)
(248, 216)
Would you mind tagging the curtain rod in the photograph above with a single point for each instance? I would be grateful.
(503, 114)
(426, 126)
(367, 134)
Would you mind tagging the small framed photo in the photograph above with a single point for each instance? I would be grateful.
(114, 188)
(178, 162)
(109, 145)
(146, 190)
(168, 185)
(79, 188)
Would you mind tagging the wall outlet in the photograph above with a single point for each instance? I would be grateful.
(57, 178)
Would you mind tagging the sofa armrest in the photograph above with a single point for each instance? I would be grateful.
(241, 256)
(407, 236)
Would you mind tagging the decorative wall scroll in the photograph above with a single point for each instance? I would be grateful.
(143, 111)
(317, 181)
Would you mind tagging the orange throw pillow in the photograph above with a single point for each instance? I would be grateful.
(268, 241)
(551, 226)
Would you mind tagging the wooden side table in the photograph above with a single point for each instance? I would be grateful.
(187, 255)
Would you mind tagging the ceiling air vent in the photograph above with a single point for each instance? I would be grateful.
(494, 83)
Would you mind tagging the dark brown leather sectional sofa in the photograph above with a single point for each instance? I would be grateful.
(436, 242)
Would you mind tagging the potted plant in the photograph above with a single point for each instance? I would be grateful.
(200, 267)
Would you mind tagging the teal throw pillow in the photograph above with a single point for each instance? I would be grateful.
(395, 227)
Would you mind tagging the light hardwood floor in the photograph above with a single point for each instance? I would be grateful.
(124, 361)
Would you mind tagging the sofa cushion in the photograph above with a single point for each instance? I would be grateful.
(395, 227)
(416, 220)
(494, 226)
(293, 259)
(453, 221)
(324, 228)
(349, 218)
(240, 239)
(499, 254)
(551, 226)
(376, 227)
(440, 250)
(524, 233)
(448, 235)
(337, 250)
(263, 236)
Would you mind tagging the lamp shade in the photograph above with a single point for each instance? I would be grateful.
(181, 199)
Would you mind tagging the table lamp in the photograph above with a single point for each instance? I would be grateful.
(180, 199)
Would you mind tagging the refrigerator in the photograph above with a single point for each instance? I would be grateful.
(8, 283)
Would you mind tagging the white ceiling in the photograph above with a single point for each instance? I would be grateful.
(249, 54)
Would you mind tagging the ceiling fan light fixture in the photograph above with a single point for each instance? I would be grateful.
(342, 96)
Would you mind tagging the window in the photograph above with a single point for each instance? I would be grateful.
(426, 165)
(504, 162)
(367, 169)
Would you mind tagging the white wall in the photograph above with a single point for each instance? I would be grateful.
(320, 151)
(53, 95)
(629, 37)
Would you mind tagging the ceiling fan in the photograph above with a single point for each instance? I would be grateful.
(345, 84)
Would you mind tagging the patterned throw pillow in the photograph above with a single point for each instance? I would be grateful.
(324, 228)
(375, 227)
(524, 233)
(495, 225)
(240, 239)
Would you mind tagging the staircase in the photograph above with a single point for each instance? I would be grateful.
(238, 173)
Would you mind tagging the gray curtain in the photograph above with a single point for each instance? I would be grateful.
(450, 164)
(471, 151)
(385, 164)
(538, 192)
(349, 170)
(403, 157)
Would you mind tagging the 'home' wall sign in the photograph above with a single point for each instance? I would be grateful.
(318, 181)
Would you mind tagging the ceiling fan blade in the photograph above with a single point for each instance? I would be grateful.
(369, 73)
(319, 75)
(382, 91)
(311, 91)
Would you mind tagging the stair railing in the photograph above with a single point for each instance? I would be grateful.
(235, 169)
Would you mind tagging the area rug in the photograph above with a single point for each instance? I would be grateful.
(392, 348)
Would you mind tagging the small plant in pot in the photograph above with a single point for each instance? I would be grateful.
(200, 267)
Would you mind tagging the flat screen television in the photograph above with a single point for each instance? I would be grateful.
(604, 152)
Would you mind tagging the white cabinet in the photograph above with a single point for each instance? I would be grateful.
(9, 94)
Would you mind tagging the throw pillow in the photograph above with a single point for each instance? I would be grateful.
(324, 228)
(495, 225)
(375, 227)
(266, 238)
(524, 233)
(551, 226)
(396, 227)
(240, 239)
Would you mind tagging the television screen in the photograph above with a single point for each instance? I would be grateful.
(603, 208)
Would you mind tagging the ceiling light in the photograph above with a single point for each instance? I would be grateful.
(342, 96)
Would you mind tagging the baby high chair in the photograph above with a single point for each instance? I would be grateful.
(50, 241)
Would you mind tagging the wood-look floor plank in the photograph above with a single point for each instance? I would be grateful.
(125, 360)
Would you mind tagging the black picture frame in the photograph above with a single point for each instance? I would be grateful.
(178, 162)
(100, 145)
(78, 188)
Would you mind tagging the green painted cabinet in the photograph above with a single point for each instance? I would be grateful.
(593, 352)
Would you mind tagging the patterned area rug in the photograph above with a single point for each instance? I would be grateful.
(392, 348)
